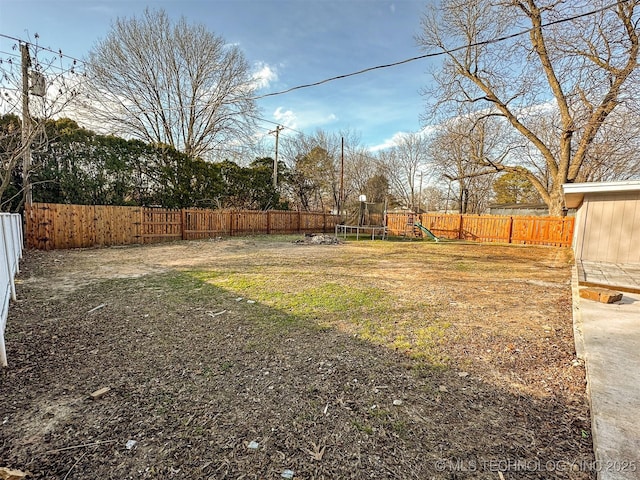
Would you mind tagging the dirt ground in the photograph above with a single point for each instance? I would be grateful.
(260, 358)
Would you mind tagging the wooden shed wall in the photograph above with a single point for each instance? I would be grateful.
(608, 228)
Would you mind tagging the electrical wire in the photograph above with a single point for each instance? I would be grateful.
(384, 66)
(274, 123)
(46, 49)
(60, 70)
(358, 72)
(442, 53)
(10, 54)
(305, 135)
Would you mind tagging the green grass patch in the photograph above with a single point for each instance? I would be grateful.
(362, 427)
(300, 300)
(462, 267)
(239, 282)
(314, 301)
(373, 314)
(329, 298)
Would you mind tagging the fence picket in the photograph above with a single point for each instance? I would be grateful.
(11, 249)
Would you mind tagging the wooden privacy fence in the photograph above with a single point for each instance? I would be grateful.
(554, 231)
(54, 226)
(10, 255)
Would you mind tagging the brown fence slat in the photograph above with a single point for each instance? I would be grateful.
(161, 225)
(68, 226)
(485, 228)
(552, 231)
(52, 226)
(442, 225)
(201, 223)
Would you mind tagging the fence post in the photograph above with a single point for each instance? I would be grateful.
(52, 213)
(299, 221)
(268, 222)
(183, 226)
(140, 225)
(510, 229)
(566, 225)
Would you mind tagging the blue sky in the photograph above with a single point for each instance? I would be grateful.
(291, 42)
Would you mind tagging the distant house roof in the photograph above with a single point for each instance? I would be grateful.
(574, 192)
(523, 206)
(522, 209)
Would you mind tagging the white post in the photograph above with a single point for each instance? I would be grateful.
(3, 351)
(9, 253)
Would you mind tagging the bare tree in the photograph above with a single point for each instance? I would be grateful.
(363, 175)
(578, 58)
(433, 198)
(312, 170)
(316, 173)
(461, 151)
(616, 153)
(36, 85)
(171, 83)
(403, 164)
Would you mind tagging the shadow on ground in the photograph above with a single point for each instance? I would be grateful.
(196, 375)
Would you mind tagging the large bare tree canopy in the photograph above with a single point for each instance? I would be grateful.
(402, 165)
(171, 83)
(562, 87)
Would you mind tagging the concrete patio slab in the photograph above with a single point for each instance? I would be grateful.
(623, 276)
(608, 339)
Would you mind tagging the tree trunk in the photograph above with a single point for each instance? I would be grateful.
(556, 202)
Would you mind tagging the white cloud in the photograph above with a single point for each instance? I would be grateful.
(392, 7)
(309, 119)
(388, 143)
(285, 117)
(264, 74)
(397, 137)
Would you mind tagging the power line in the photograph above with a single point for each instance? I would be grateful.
(15, 55)
(311, 137)
(439, 54)
(274, 123)
(58, 53)
(62, 70)
(347, 75)
(377, 67)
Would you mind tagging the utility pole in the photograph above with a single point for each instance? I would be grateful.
(420, 193)
(26, 125)
(275, 161)
(341, 199)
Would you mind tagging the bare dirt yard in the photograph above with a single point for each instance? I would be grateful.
(260, 358)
